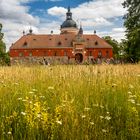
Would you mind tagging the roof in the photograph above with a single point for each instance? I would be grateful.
(33, 41)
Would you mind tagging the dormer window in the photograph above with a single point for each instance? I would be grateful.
(25, 44)
(96, 42)
(59, 43)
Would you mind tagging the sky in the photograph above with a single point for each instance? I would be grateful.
(104, 16)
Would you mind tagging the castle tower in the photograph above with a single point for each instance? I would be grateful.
(69, 25)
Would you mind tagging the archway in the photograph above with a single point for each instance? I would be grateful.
(78, 58)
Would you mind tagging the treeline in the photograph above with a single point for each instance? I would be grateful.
(4, 56)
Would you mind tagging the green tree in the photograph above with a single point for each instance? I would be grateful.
(4, 57)
(132, 24)
(114, 44)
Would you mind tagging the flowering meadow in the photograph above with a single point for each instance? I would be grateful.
(100, 102)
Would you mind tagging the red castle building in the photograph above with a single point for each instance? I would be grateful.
(70, 46)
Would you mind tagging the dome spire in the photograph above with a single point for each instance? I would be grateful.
(69, 14)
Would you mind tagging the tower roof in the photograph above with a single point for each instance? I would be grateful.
(69, 22)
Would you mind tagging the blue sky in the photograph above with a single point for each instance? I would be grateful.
(104, 16)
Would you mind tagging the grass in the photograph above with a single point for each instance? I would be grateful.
(70, 102)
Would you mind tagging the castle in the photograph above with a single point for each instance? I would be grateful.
(70, 46)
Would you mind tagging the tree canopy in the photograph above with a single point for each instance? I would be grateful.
(4, 57)
(132, 24)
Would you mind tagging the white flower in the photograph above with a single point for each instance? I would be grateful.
(131, 86)
(34, 90)
(101, 106)
(31, 92)
(19, 99)
(9, 133)
(92, 123)
(101, 117)
(23, 113)
(103, 130)
(50, 88)
(132, 101)
(108, 118)
(86, 109)
(83, 116)
(59, 122)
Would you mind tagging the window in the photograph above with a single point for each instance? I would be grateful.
(66, 39)
(87, 39)
(45, 53)
(65, 53)
(55, 53)
(30, 54)
(90, 53)
(107, 54)
(25, 44)
(96, 43)
(99, 54)
(59, 43)
(20, 54)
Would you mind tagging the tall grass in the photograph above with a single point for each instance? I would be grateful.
(70, 103)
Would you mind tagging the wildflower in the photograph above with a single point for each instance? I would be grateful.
(101, 106)
(59, 122)
(31, 92)
(95, 105)
(129, 92)
(131, 86)
(107, 112)
(103, 130)
(38, 115)
(108, 118)
(101, 117)
(132, 101)
(23, 113)
(83, 116)
(9, 133)
(92, 123)
(16, 84)
(138, 104)
(24, 100)
(19, 99)
(34, 89)
(50, 88)
(86, 109)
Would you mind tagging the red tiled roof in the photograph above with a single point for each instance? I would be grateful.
(57, 41)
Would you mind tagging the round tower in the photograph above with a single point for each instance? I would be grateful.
(69, 25)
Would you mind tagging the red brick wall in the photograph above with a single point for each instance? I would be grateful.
(59, 52)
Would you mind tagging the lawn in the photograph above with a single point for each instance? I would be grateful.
(100, 102)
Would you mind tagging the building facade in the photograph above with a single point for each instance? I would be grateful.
(70, 46)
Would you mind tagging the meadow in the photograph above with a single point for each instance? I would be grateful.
(100, 102)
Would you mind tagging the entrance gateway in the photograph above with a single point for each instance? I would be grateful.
(78, 58)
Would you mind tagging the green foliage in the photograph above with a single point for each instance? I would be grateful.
(70, 102)
(4, 57)
(132, 24)
(114, 44)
